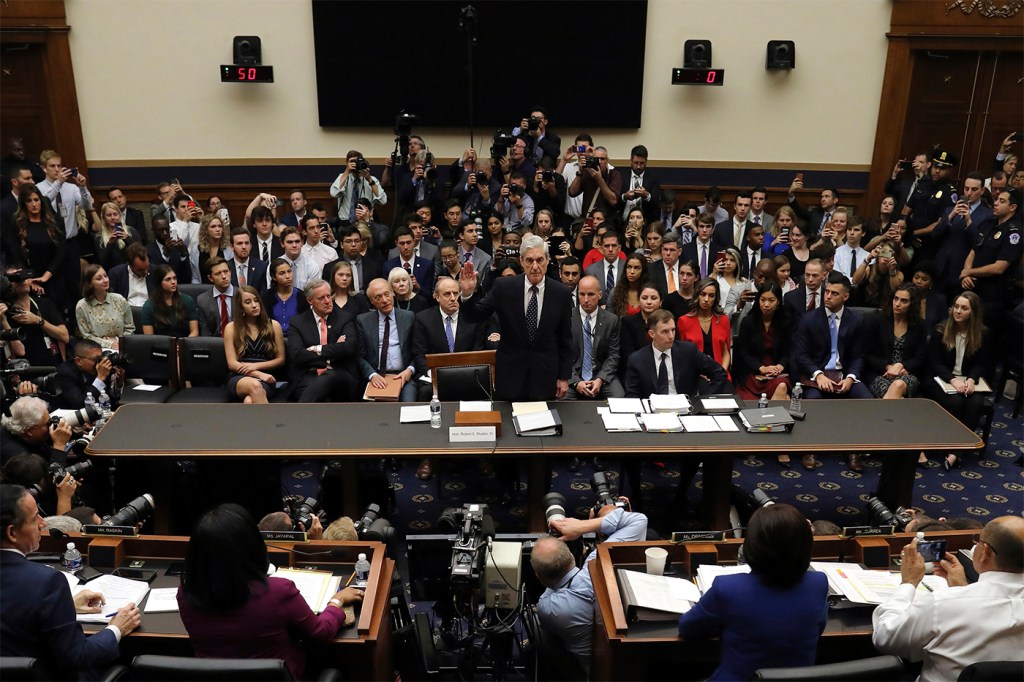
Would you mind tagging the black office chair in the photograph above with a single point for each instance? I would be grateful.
(993, 671)
(205, 367)
(877, 668)
(137, 318)
(154, 360)
(194, 290)
(21, 669)
(462, 376)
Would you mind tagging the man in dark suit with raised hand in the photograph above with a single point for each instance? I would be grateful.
(595, 342)
(38, 615)
(534, 356)
(385, 341)
(828, 352)
(322, 348)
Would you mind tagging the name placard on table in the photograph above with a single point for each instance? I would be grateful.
(472, 434)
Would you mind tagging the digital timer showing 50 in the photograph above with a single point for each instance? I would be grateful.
(238, 73)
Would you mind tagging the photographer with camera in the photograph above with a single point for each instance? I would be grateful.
(29, 430)
(595, 179)
(53, 486)
(354, 183)
(282, 521)
(38, 323)
(548, 189)
(566, 608)
(515, 161)
(515, 204)
(477, 190)
(90, 371)
(540, 141)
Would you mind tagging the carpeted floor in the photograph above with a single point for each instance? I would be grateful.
(983, 489)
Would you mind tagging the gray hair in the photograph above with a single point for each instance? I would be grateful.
(25, 413)
(64, 524)
(312, 285)
(552, 561)
(532, 242)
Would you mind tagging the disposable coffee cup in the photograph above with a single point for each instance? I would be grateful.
(656, 557)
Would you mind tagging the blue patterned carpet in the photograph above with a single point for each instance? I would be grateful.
(982, 489)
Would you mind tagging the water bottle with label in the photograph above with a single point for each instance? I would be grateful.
(362, 570)
(72, 560)
(763, 402)
(104, 405)
(435, 412)
(90, 400)
(796, 401)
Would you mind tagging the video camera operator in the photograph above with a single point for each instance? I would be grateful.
(28, 431)
(90, 371)
(42, 328)
(566, 608)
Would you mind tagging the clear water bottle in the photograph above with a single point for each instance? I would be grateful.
(104, 405)
(90, 401)
(796, 401)
(362, 569)
(435, 412)
(72, 560)
(763, 402)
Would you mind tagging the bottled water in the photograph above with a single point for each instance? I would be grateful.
(435, 413)
(796, 401)
(72, 560)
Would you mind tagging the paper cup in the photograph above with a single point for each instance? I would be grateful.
(656, 557)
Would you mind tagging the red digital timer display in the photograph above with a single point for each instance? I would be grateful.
(244, 73)
(698, 76)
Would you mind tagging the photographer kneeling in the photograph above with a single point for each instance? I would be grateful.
(566, 609)
(28, 431)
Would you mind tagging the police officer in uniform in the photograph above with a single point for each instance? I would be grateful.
(997, 250)
(929, 202)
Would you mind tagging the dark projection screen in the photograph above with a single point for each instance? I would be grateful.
(582, 59)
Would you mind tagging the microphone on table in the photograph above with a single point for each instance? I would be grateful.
(490, 398)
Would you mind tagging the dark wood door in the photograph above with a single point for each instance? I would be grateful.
(25, 105)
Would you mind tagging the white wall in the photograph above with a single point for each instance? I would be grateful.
(149, 91)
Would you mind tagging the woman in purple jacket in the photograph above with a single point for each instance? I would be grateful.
(230, 607)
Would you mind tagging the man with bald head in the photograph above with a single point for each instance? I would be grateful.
(595, 340)
(566, 608)
(950, 629)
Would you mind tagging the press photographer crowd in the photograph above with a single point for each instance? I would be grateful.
(589, 282)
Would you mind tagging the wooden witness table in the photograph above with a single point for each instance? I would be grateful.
(896, 430)
(654, 650)
(362, 651)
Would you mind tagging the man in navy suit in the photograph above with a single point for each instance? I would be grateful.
(322, 346)
(385, 341)
(246, 270)
(703, 250)
(165, 250)
(957, 232)
(816, 217)
(421, 269)
(134, 279)
(38, 615)
(828, 352)
(809, 295)
(670, 366)
(535, 355)
(732, 233)
(609, 269)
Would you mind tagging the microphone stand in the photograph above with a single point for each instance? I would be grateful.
(467, 24)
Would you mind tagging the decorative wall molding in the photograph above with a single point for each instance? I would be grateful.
(990, 9)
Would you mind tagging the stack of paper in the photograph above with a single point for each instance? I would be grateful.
(718, 404)
(627, 406)
(706, 574)
(699, 423)
(162, 600)
(528, 408)
(863, 586)
(655, 597)
(661, 422)
(620, 423)
(414, 414)
(117, 593)
(316, 587)
(677, 404)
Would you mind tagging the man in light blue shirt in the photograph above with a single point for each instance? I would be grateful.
(566, 609)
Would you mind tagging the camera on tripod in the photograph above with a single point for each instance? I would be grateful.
(301, 510)
(403, 129)
(372, 527)
(880, 514)
(500, 144)
(468, 549)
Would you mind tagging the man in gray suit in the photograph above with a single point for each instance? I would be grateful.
(610, 269)
(595, 342)
(215, 307)
(385, 341)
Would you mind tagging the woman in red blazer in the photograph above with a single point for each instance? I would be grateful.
(230, 607)
(707, 325)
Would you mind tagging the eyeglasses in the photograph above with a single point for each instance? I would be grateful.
(979, 541)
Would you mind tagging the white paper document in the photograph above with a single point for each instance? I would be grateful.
(706, 574)
(534, 421)
(725, 422)
(699, 423)
(678, 403)
(620, 423)
(146, 387)
(117, 593)
(475, 406)
(626, 405)
(663, 593)
(664, 422)
(719, 404)
(162, 600)
(528, 408)
(414, 414)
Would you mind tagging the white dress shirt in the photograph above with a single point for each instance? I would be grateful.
(138, 291)
(952, 628)
(321, 254)
(540, 297)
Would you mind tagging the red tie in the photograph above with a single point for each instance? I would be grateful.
(223, 313)
(814, 301)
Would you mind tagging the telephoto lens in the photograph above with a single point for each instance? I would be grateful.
(133, 513)
(554, 510)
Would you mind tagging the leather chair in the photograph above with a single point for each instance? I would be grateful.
(993, 671)
(194, 290)
(153, 668)
(462, 376)
(877, 668)
(21, 669)
(205, 367)
(154, 360)
(137, 318)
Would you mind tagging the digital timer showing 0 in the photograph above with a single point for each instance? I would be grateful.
(698, 76)
(240, 73)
